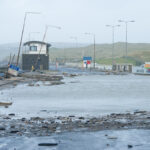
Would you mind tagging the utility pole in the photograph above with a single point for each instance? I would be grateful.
(113, 39)
(126, 39)
(94, 50)
(45, 33)
(22, 33)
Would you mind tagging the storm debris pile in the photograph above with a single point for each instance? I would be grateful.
(37, 126)
(31, 78)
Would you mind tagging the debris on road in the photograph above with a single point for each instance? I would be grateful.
(5, 103)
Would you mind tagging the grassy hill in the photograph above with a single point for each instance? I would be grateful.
(137, 53)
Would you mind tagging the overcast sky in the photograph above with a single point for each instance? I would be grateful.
(75, 17)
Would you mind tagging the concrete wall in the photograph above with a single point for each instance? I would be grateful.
(29, 60)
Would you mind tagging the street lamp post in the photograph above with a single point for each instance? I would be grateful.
(126, 23)
(24, 23)
(46, 29)
(45, 33)
(113, 39)
(92, 34)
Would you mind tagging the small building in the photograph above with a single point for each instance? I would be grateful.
(122, 67)
(35, 55)
(143, 69)
(147, 67)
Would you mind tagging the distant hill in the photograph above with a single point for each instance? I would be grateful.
(6, 49)
(12, 48)
(137, 52)
(67, 45)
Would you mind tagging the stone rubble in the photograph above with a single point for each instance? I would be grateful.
(37, 126)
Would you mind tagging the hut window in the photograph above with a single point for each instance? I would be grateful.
(33, 48)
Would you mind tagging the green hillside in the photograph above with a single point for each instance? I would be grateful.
(137, 53)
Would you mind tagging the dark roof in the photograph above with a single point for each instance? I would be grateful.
(38, 42)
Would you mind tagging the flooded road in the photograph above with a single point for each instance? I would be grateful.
(90, 95)
(109, 140)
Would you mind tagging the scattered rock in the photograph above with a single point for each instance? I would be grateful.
(140, 112)
(11, 114)
(45, 127)
(130, 146)
(47, 144)
(74, 82)
(23, 119)
(43, 110)
(30, 84)
(65, 74)
(82, 118)
(2, 128)
(71, 116)
(5, 103)
(57, 82)
(73, 75)
(12, 126)
(6, 118)
(112, 137)
(14, 131)
(36, 118)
